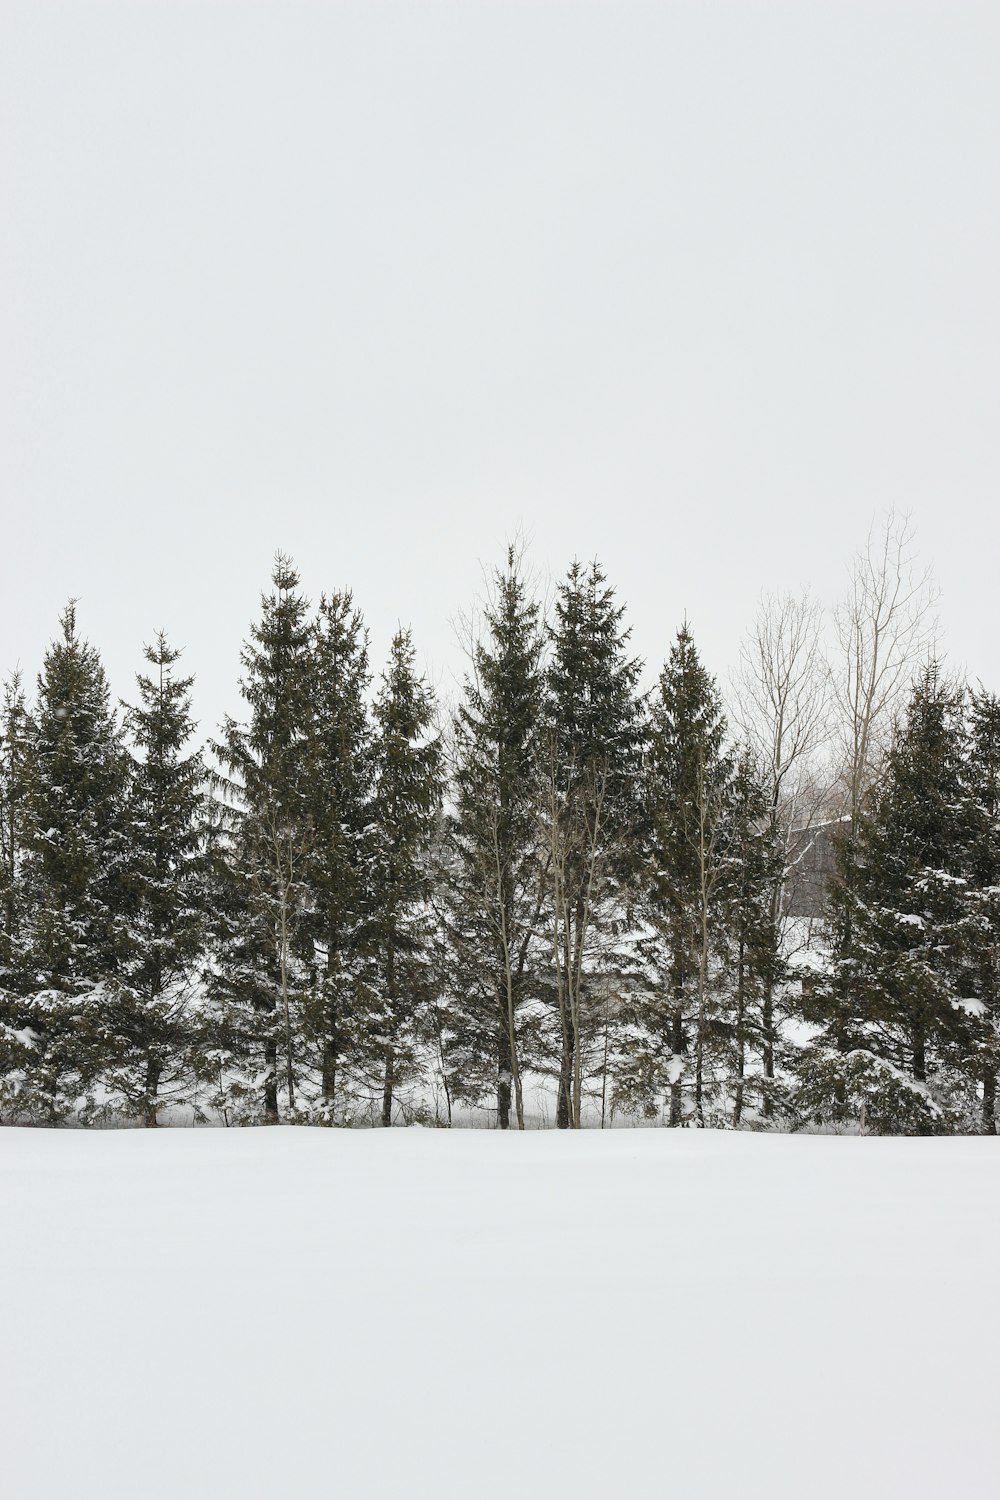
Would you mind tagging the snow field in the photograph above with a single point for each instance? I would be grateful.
(412, 1313)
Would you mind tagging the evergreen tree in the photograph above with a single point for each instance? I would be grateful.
(493, 873)
(341, 1002)
(688, 787)
(77, 837)
(591, 814)
(983, 871)
(266, 783)
(890, 1030)
(13, 731)
(406, 805)
(756, 862)
(155, 993)
(15, 1043)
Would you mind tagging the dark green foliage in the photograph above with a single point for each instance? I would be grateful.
(982, 942)
(591, 817)
(491, 867)
(689, 790)
(14, 727)
(863, 1091)
(754, 870)
(341, 776)
(709, 945)
(329, 928)
(407, 801)
(267, 786)
(77, 840)
(15, 977)
(900, 920)
(594, 724)
(152, 1010)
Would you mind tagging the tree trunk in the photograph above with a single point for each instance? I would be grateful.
(564, 1104)
(741, 1051)
(508, 1065)
(564, 1101)
(990, 1102)
(767, 1006)
(604, 1069)
(330, 1060)
(439, 1034)
(271, 1082)
(768, 1030)
(390, 1078)
(698, 1078)
(677, 1048)
(504, 1076)
(704, 851)
(574, 987)
(285, 1006)
(840, 1086)
(514, 1065)
(153, 1070)
(699, 1068)
(518, 1092)
(919, 1055)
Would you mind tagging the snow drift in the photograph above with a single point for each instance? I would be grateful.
(421, 1313)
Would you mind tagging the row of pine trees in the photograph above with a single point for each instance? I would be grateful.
(564, 899)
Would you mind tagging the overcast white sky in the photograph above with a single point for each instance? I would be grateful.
(698, 289)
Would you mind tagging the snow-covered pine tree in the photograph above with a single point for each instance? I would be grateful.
(15, 1043)
(340, 1004)
(755, 855)
(983, 870)
(890, 1030)
(689, 775)
(153, 1014)
(591, 761)
(829, 1002)
(492, 873)
(13, 723)
(406, 808)
(77, 838)
(267, 785)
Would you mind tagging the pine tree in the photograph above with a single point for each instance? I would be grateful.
(267, 787)
(155, 994)
(341, 1003)
(983, 869)
(591, 813)
(688, 787)
(406, 806)
(899, 933)
(493, 873)
(15, 1042)
(77, 836)
(756, 862)
(13, 731)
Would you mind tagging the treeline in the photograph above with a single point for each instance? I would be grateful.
(564, 896)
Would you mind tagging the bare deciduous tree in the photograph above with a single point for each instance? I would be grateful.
(782, 698)
(884, 628)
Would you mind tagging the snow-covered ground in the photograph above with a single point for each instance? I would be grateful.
(411, 1313)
